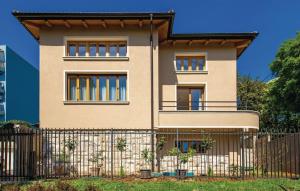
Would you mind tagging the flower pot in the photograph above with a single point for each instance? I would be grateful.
(145, 173)
(95, 171)
(181, 173)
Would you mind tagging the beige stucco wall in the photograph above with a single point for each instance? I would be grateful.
(55, 114)
(219, 81)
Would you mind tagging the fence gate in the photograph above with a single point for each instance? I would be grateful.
(16, 154)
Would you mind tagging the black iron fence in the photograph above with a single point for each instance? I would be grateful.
(54, 153)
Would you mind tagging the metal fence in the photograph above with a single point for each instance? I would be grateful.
(44, 153)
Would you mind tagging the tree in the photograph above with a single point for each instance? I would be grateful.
(285, 88)
(250, 93)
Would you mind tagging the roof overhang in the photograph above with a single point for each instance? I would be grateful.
(33, 21)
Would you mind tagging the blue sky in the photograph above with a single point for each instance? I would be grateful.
(275, 20)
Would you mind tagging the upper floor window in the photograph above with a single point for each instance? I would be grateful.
(190, 98)
(97, 87)
(190, 63)
(97, 48)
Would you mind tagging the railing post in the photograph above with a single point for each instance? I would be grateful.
(112, 154)
(243, 157)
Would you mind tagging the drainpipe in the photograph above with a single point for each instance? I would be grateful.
(152, 101)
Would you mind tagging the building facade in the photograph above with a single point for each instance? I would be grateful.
(19, 94)
(130, 71)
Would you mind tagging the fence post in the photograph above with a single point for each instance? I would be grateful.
(177, 164)
(111, 153)
(243, 157)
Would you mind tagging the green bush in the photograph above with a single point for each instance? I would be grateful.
(12, 188)
(64, 186)
(91, 187)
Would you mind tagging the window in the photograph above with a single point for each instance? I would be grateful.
(97, 48)
(92, 50)
(112, 50)
(82, 50)
(190, 63)
(190, 98)
(72, 50)
(184, 146)
(97, 87)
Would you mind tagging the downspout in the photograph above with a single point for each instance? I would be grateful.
(152, 101)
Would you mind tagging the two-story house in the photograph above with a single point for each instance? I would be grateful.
(130, 71)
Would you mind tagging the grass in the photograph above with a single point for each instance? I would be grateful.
(170, 184)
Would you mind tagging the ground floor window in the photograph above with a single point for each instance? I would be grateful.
(97, 87)
(184, 146)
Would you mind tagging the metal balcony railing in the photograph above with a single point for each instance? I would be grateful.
(2, 61)
(2, 109)
(201, 106)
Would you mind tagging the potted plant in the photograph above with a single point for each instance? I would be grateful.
(183, 159)
(121, 146)
(148, 158)
(62, 164)
(207, 143)
(159, 147)
(97, 160)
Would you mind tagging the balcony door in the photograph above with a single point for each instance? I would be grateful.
(190, 98)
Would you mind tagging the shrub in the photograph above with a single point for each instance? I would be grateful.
(91, 187)
(12, 188)
(36, 187)
(64, 186)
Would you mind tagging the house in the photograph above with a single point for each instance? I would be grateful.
(130, 71)
(19, 93)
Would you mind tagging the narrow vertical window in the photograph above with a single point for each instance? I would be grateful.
(201, 64)
(92, 50)
(196, 99)
(93, 88)
(112, 50)
(122, 50)
(102, 50)
(82, 88)
(185, 64)
(194, 64)
(102, 88)
(178, 64)
(72, 50)
(72, 89)
(122, 91)
(81, 50)
(112, 88)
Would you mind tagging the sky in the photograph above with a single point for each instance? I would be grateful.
(275, 20)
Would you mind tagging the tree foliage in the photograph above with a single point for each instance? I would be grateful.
(277, 101)
(285, 88)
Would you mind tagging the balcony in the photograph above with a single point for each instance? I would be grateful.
(206, 114)
(2, 61)
(2, 109)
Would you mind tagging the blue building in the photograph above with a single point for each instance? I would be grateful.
(19, 88)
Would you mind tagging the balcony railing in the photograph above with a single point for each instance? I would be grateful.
(2, 60)
(201, 106)
(2, 109)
